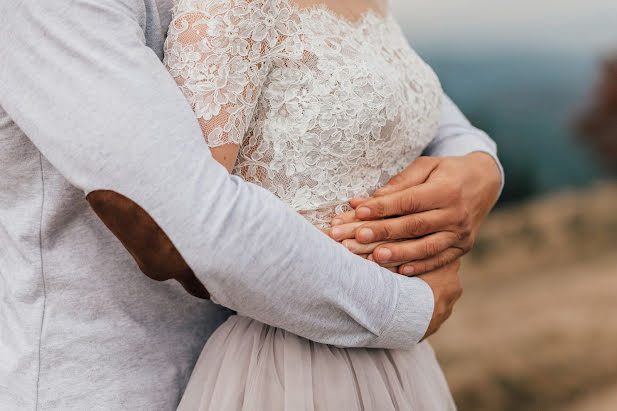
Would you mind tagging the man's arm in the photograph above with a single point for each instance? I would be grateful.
(99, 105)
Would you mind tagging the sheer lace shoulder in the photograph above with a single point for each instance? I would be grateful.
(219, 52)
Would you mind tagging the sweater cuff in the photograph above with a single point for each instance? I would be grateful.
(412, 315)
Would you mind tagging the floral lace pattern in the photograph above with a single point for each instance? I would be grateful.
(324, 109)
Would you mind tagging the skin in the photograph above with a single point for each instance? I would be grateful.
(350, 9)
(226, 155)
(426, 217)
(447, 289)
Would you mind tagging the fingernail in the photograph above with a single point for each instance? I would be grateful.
(337, 221)
(408, 270)
(363, 212)
(336, 232)
(366, 235)
(347, 245)
(384, 254)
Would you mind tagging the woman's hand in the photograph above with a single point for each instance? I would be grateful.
(345, 234)
(343, 231)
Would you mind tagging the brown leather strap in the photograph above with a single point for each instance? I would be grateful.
(155, 254)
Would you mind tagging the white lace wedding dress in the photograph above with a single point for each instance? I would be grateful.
(325, 108)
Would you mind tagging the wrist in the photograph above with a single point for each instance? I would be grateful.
(485, 169)
(489, 169)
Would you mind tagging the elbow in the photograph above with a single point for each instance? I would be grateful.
(152, 250)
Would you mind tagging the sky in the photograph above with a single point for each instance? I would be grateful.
(565, 26)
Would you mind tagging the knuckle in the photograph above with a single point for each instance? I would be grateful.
(463, 245)
(379, 208)
(429, 161)
(431, 248)
(410, 202)
(464, 231)
(462, 236)
(413, 226)
(405, 204)
(422, 160)
(387, 232)
(452, 255)
(441, 261)
(396, 180)
(348, 216)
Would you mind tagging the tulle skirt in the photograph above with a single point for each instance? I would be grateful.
(250, 366)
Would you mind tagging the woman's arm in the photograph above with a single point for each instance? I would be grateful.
(226, 155)
(185, 51)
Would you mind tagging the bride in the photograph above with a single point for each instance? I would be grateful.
(318, 103)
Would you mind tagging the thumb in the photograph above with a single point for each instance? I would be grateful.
(415, 174)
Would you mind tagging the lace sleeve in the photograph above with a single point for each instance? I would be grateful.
(219, 52)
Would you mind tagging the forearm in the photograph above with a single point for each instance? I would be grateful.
(458, 137)
(102, 109)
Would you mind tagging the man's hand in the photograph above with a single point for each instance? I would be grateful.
(447, 289)
(425, 217)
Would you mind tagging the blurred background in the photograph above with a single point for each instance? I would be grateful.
(537, 326)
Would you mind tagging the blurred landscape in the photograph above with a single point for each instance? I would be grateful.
(535, 329)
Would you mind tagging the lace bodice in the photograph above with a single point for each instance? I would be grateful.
(324, 109)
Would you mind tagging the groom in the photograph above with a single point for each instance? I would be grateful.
(99, 145)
